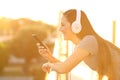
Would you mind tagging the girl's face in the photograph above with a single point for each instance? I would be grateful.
(66, 29)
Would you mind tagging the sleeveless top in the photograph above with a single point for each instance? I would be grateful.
(89, 43)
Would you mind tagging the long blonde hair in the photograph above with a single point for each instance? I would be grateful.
(105, 63)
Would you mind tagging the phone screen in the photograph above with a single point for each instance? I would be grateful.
(37, 39)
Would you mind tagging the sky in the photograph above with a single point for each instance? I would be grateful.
(101, 13)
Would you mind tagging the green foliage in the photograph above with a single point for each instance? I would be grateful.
(23, 45)
(4, 54)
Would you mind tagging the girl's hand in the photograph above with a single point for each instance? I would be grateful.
(44, 52)
(46, 67)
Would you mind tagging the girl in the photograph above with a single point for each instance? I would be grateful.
(98, 53)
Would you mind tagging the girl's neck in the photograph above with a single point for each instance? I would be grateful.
(76, 40)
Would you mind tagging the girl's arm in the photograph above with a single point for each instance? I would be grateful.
(64, 67)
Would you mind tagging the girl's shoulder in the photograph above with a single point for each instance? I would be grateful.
(89, 38)
(89, 42)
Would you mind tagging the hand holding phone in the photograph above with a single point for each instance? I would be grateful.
(37, 39)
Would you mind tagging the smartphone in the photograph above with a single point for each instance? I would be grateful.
(37, 39)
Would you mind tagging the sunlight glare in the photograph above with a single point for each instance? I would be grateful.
(48, 11)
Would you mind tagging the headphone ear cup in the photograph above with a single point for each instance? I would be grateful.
(76, 27)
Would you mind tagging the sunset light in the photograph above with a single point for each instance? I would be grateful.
(48, 11)
(101, 13)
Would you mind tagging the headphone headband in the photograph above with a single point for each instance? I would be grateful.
(78, 15)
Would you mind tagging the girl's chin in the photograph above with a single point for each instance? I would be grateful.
(65, 38)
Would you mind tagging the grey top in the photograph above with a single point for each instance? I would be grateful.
(89, 44)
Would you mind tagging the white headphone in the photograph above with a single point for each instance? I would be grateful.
(76, 25)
